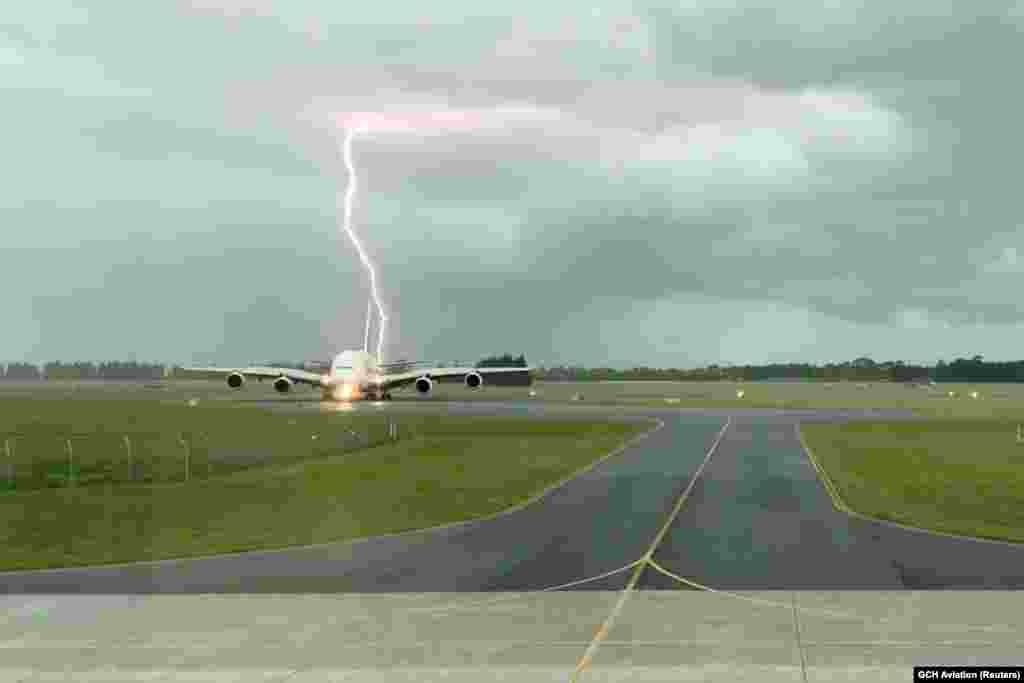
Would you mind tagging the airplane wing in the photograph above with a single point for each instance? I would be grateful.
(394, 381)
(297, 376)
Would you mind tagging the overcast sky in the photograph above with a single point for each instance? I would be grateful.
(660, 183)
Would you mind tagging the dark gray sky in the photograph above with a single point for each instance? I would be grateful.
(661, 183)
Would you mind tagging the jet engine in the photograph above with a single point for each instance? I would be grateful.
(474, 380)
(424, 385)
(236, 380)
(283, 384)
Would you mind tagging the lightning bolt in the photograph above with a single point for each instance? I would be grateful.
(414, 122)
(350, 195)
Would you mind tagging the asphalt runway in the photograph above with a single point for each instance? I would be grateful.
(760, 519)
(756, 519)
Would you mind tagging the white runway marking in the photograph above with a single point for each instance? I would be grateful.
(606, 627)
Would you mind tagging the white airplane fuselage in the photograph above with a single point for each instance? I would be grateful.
(353, 376)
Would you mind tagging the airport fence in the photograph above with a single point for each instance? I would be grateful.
(33, 461)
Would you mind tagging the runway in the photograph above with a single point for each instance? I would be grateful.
(759, 519)
(756, 519)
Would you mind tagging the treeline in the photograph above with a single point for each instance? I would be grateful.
(111, 370)
(974, 369)
(977, 370)
(83, 371)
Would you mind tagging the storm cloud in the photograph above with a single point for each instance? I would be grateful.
(650, 183)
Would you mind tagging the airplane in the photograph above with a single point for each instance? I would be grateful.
(357, 375)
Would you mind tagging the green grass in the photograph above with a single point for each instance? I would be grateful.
(271, 485)
(994, 400)
(959, 476)
(125, 440)
(444, 469)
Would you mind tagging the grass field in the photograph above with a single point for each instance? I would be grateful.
(291, 490)
(47, 441)
(957, 476)
(993, 400)
(958, 471)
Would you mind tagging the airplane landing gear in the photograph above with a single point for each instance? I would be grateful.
(387, 396)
